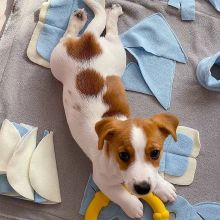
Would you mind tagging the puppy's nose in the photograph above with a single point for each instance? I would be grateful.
(142, 188)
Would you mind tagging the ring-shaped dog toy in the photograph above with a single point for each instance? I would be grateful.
(101, 201)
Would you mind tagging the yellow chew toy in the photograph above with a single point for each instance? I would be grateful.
(100, 201)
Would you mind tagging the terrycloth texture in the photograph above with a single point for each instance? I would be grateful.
(25, 168)
(216, 4)
(29, 93)
(156, 50)
(181, 208)
(55, 26)
(187, 8)
(204, 73)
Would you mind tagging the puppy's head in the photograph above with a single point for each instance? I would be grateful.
(136, 147)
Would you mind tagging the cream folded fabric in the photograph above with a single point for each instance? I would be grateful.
(27, 170)
(32, 48)
(187, 177)
(43, 173)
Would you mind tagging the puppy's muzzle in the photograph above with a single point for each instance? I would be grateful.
(142, 188)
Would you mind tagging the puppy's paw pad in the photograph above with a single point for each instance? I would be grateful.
(80, 14)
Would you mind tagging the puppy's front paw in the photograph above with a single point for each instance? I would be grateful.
(116, 8)
(133, 207)
(166, 191)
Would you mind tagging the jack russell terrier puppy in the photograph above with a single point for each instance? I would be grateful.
(123, 150)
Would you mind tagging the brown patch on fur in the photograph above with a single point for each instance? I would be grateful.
(123, 148)
(70, 93)
(155, 141)
(167, 123)
(76, 107)
(156, 130)
(83, 48)
(117, 135)
(89, 82)
(115, 98)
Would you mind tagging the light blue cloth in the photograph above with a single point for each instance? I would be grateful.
(208, 210)
(5, 187)
(187, 8)
(175, 155)
(201, 211)
(181, 207)
(156, 50)
(133, 79)
(204, 74)
(56, 22)
(216, 4)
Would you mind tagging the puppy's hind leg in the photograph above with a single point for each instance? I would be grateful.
(77, 21)
(112, 21)
(97, 25)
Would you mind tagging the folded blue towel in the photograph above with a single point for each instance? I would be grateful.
(175, 155)
(187, 8)
(216, 4)
(201, 211)
(55, 26)
(133, 79)
(181, 208)
(208, 210)
(156, 50)
(205, 74)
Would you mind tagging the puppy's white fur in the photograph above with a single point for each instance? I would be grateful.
(140, 170)
(106, 172)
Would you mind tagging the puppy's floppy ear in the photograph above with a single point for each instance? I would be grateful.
(167, 124)
(105, 130)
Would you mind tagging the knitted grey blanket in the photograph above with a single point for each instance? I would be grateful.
(31, 95)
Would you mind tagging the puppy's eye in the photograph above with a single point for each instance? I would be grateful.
(155, 154)
(124, 156)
